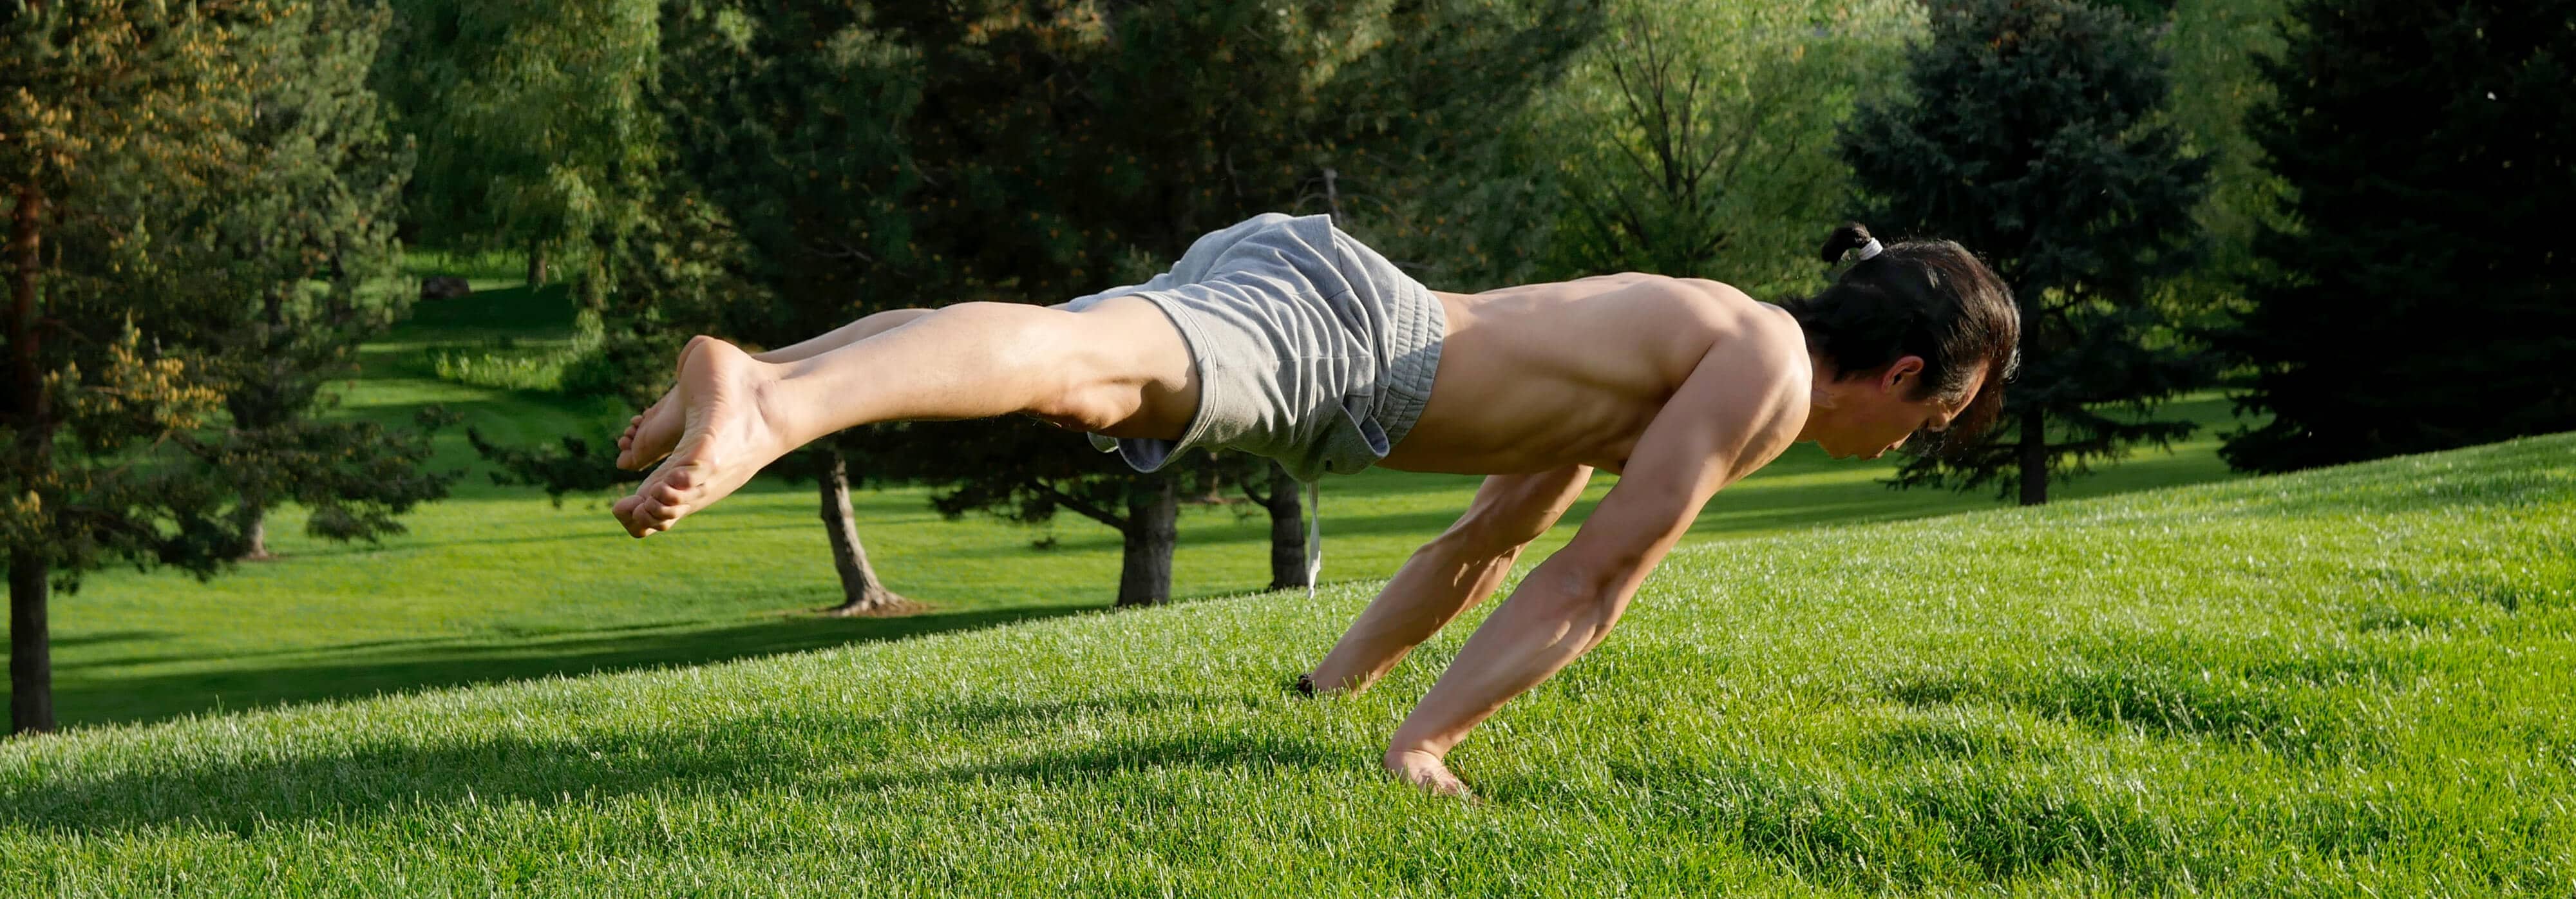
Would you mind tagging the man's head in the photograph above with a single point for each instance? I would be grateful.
(1918, 339)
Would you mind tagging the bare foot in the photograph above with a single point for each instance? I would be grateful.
(1422, 769)
(726, 437)
(650, 436)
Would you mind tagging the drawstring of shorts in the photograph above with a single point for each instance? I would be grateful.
(1314, 535)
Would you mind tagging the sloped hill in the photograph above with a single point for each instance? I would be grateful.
(2342, 681)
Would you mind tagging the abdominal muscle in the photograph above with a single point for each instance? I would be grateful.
(1546, 376)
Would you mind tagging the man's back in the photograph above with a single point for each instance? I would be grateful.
(1544, 376)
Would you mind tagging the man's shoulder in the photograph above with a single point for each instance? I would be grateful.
(1740, 323)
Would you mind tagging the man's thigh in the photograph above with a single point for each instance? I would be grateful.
(1133, 373)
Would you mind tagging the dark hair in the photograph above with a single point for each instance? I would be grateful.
(1928, 298)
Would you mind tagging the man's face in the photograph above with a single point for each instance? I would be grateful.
(1877, 412)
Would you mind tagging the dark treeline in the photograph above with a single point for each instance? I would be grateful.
(2331, 209)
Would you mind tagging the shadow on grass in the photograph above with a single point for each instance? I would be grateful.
(509, 311)
(338, 673)
(812, 746)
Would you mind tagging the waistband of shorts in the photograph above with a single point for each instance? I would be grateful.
(1415, 345)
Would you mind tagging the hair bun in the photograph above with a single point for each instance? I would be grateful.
(1851, 236)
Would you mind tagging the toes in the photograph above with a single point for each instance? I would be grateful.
(664, 494)
(625, 510)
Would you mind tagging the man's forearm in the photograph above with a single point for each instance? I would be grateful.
(1441, 579)
(1551, 620)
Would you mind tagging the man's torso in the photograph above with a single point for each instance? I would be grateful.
(1544, 376)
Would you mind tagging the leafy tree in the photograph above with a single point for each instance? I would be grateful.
(176, 181)
(2032, 136)
(533, 127)
(1696, 139)
(2416, 297)
(2214, 45)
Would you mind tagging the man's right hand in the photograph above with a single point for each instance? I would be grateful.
(1422, 769)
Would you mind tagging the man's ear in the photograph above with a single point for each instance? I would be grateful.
(1893, 380)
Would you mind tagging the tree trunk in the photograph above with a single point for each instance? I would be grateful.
(1153, 528)
(31, 668)
(862, 595)
(2034, 457)
(1287, 532)
(255, 535)
(536, 264)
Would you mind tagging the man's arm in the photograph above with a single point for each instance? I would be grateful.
(1453, 572)
(1738, 410)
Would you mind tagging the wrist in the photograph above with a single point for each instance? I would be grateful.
(1402, 748)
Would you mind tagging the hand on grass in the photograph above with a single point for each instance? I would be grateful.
(1422, 769)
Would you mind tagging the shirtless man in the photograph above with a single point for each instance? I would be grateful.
(1284, 337)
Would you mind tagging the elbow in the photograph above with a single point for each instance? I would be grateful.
(1588, 599)
(1479, 542)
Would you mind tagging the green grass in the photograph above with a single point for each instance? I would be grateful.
(2343, 682)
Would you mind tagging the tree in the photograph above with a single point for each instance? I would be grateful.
(309, 232)
(740, 244)
(2416, 297)
(1695, 139)
(151, 239)
(531, 117)
(2033, 136)
(2214, 45)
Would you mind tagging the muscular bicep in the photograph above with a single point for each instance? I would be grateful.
(1737, 411)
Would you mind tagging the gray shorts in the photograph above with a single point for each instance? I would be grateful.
(1311, 348)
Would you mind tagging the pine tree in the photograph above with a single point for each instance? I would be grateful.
(2032, 137)
(2417, 298)
(179, 182)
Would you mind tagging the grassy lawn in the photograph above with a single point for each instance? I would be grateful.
(500, 584)
(2343, 682)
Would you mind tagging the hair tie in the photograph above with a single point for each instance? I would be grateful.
(1869, 251)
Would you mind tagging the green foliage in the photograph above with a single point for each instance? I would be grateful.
(532, 124)
(1696, 141)
(2337, 682)
(208, 186)
(2032, 136)
(505, 363)
(2416, 296)
(2214, 45)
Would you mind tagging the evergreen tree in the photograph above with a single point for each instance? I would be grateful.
(2032, 136)
(308, 231)
(2417, 298)
(177, 181)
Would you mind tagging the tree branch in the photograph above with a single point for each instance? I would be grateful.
(1069, 501)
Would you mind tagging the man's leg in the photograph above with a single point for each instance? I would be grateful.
(651, 435)
(1117, 368)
